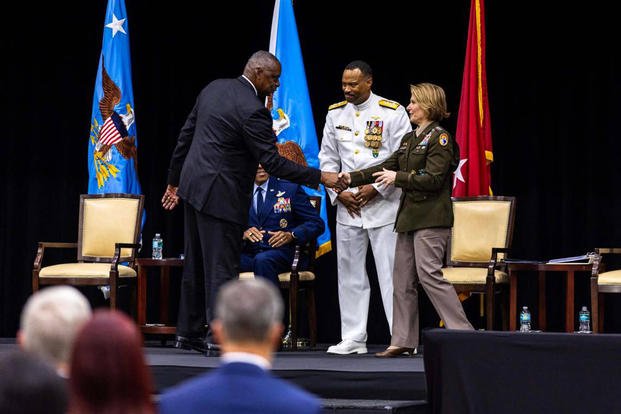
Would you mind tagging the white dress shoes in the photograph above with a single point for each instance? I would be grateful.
(347, 347)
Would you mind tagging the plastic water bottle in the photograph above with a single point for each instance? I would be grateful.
(158, 246)
(584, 320)
(525, 319)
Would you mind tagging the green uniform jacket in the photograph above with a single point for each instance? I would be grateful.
(424, 165)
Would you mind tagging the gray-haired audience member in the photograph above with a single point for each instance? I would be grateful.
(248, 315)
(28, 385)
(49, 323)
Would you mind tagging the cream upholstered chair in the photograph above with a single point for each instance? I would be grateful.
(297, 280)
(480, 238)
(602, 282)
(109, 227)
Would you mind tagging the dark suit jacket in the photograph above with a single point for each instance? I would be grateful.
(238, 388)
(424, 165)
(225, 137)
(286, 208)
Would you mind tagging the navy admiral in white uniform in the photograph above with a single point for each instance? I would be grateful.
(360, 132)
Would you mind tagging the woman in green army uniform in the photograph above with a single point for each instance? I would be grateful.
(422, 167)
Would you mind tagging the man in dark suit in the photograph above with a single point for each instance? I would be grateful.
(248, 326)
(281, 216)
(225, 137)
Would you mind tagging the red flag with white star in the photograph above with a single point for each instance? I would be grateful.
(474, 136)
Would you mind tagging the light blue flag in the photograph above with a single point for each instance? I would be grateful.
(292, 112)
(112, 144)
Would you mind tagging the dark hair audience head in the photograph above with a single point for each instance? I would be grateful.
(108, 369)
(28, 385)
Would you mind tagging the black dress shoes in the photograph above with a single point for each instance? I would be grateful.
(196, 344)
(394, 352)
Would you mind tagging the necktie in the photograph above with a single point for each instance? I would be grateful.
(260, 201)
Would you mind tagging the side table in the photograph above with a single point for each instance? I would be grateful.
(568, 270)
(144, 264)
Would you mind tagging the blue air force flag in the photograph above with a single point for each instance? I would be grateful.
(112, 161)
(291, 110)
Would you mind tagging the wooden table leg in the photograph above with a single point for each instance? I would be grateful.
(164, 293)
(542, 301)
(512, 300)
(569, 302)
(142, 295)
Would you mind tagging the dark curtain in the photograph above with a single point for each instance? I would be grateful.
(553, 90)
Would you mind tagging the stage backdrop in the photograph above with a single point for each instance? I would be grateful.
(554, 104)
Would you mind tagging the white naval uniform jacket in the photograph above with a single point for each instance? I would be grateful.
(343, 149)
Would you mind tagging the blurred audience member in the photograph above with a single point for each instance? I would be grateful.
(108, 369)
(29, 385)
(248, 328)
(49, 323)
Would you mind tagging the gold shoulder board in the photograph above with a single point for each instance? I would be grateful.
(337, 105)
(388, 104)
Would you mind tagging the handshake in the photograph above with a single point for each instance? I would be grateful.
(337, 181)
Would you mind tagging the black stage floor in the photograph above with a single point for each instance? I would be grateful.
(346, 383)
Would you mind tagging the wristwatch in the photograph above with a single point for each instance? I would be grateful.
(293, 235)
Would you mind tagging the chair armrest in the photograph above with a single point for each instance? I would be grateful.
(117, 251)
(52, 245)
(607, 250)
(493, 261)
(598, 259)
(597, 265)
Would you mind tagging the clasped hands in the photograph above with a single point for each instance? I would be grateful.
(336, 181)
(340, 181)
(277, 239)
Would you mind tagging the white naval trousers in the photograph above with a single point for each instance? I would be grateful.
(353, 281)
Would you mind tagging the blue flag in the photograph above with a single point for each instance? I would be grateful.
(112, 146)
(291, 110)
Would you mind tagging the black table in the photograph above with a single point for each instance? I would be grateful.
(513, 372)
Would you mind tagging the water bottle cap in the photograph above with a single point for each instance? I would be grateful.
(157, 235)
(584, 308)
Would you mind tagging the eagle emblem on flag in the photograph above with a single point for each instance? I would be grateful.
(113, 131)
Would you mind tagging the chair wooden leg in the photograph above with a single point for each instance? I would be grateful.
(293, 313)
(114, 290)
(490, 306)
(504, 309)
(35, 281)
(312, 315)
(133, 299)
(595, 305)
(602, 303)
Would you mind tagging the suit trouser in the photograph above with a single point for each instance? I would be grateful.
(267, 263)
(212, 250)
(353, 281)
(418, 258)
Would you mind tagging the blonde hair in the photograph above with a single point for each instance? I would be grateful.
(431, 99)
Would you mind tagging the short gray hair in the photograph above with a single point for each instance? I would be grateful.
(50, 321)
(261, 59)
(248, 309)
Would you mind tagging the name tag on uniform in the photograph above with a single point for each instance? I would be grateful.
(283, 205)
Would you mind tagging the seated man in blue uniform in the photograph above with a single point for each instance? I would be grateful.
(281, 216)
